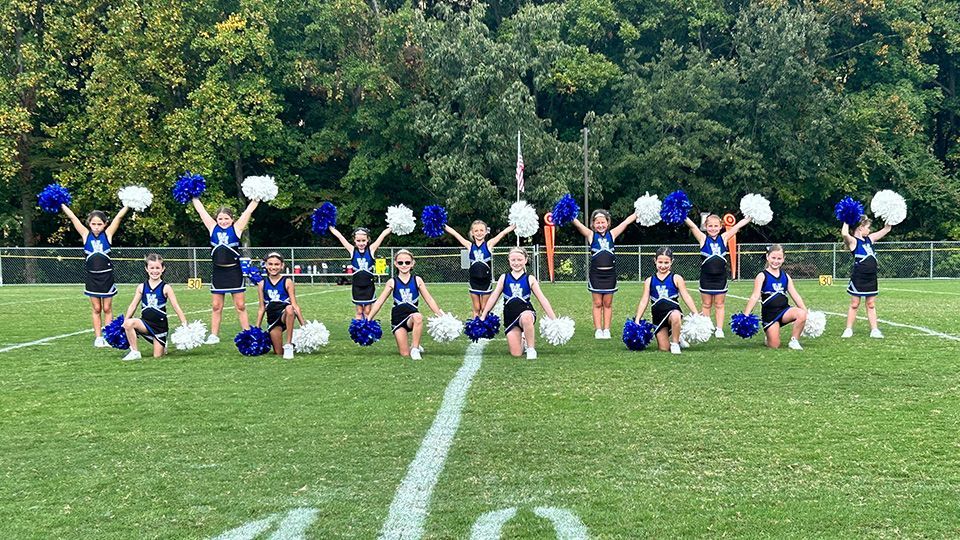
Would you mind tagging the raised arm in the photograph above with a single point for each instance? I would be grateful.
(376, 243)
(697, 233)
(618, 230)
(205, 216)
(542, 298)
(755, 296)
(244, 218)
(261, 305)
(582, 229)
(848, 239)
(681, 286)
(137, 295)
(496, 239)
(387, 290)
(644, 300)
(494, 296)
(172, 298)
(794, 294)
(292, 293)
(457, 236)
(77, 224)
(877, 235)
(115, 224)
(343, 241)
(736, 228)
(422, 287)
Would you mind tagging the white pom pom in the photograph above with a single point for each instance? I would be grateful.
(696, 328)
(400, 219)
(310, 337)
(524, 217)
(259, 188)
(647, 209)
(189, 336)
(757, 208)
(889, 206)
(557, 331)
(136, 197)
(443, 328)
(815, 325)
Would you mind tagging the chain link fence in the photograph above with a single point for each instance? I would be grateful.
(19, 266)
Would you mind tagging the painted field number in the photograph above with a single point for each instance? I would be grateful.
(194, 283)
(826, 280)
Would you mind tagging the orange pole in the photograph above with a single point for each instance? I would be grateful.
(548, 232)
(729, 220)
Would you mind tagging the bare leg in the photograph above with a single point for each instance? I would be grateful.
(607, 310)
(130, 327)
(514, 341)
(241, 307)
(95, 308)
(529, 333)
(798, 317)
(706, 302)
(597, 311)
(158, 349)
(852, 310)
(872, 311)
(663, 340)
(676, 319)
(107, 309)
(217, 307)
(276, 339)
(401, 336)
(719, 309)
(773, 336)
(289, 317)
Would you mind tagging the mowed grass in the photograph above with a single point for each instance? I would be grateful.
(846, 438)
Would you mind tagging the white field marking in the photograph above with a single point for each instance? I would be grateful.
(921, 291)
(249, 531)
(567, 525)
(295, 525)
(923, 329)
(18, 302)
(61, 336)
(408, 511)
(489, 526)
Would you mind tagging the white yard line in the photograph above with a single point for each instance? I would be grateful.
(920, 291)
(408, 511)
(18, 302)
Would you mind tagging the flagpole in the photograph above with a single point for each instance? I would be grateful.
(518, 183)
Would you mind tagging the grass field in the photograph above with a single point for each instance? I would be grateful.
(847, 438)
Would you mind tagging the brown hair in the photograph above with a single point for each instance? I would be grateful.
(152, 257)
(273, 255)
(599, 212)
(224, 210)
(403, 252)
(775, 247)
(97, 214)
(663, 251)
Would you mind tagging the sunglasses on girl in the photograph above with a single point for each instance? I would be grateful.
(404, 263)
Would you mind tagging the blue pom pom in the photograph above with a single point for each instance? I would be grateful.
(433, 218)
(324, 218)
(675, 208)
(252, 271)
(52, 197)
(115, 334)
(365, 332)
(636, 336)
(744, 326)
(492, 323)
(188, 186)
(475, 329)
(253, 342)
(849, 211)
(565, 211)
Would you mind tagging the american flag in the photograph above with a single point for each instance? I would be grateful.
(519, 165)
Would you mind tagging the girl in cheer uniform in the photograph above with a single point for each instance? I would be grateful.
(481, 264)
(362, 260)
(99, 285)
(663, 291)
(278, 301)
(863, 276)
(152, 296)
(771, 288)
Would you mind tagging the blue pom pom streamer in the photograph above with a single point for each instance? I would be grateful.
(433, 218)
(52, 197)
(475, 329)
(745, 326)
(324, 218)
(492, 323)
(365, 332)
(675, 208)
(849, 211)
(565, 211)
(636, 336)
(188, 186)
(115, 334)
(253, 342)
(252, 271)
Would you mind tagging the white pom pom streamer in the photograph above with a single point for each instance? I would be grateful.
(647, 209)
(136, 197)
(696, 328)
(524, 217)
(259, 188)
(889, 206)
(557, 331)
(444, 328)
(189, 336)
(815, 325)
(400, 219)
(757, 208)
(310, 337)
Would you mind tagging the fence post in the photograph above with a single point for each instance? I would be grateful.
(639, 263)
(536, 261)
(931, 260)
(834, 250)
(1, 268)
(193, 260)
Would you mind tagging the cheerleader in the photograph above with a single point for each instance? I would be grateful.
(863, 276)
(481, 255)
(663, 291)
(406, 289)
(603, 269)
(97, 238)
(362, 261)
(227, 275)
(771, 288)
(518, 314)
(152, 296)
(278, 301)
(714, 266)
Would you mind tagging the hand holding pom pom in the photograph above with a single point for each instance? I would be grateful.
(364, 332)
(849, 211)
(188, 186)
(477, 329)
(815, 325)
(434, 218)
(115, 335)
(136, 197)
(189, 336)
(259, 188)
(647, 209)
(636, 336)
(400, 220)
(557, 331)
(675, 208)
(310, 337)
(744, 326)
(696, 328)
(52, 197)
(565, 211)
(324, 218)
(251, 271)
(524, 218)
(889, 206)
(444, 327)
(253, 342)
(757, 208)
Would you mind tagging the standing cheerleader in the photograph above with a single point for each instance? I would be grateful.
(773, 285)
(406, 288)
(481, 255)
(603, 266)
(863, 276)
(362, 260)
(518, 314)
(664, 289)
(714, 266)
(227, 275)
(152, 296)
(278, 301)
(99, 285)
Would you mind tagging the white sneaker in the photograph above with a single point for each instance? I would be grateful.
(684, 344)
(531, 354)
(606, 333)
(420, 348)
(875, 333)
(212, 339)
(847, 333)
(675, 348)
(415, 353)
(100, 342)
(132, 355)
(719, 333)
(794, 344)
(288, 351)
(598, 334)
